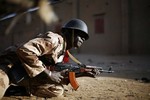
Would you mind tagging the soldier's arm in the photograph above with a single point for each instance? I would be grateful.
(29, 52)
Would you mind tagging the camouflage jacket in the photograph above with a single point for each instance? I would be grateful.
(50, 45)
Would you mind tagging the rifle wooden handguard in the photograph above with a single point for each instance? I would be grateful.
(73, 81)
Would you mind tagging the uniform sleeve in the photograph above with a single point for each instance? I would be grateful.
(29, 52)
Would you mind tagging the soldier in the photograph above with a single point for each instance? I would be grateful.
(25, 65)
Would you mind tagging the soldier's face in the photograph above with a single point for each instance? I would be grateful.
(74, 39)
(78, 41)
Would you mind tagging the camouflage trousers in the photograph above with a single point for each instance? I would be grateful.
(48, 90)
(38, 86)
(4, 81)
(42, 87)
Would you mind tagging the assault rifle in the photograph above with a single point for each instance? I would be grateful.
(78, 71)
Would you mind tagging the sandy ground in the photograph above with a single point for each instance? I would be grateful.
(130, 81)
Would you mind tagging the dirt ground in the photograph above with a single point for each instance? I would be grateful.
(130, 81)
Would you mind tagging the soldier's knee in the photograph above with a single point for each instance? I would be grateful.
(4, 83)
(48, 90)
(58, 91)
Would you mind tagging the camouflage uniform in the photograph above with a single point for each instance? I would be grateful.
(49, 46)
(4, 81)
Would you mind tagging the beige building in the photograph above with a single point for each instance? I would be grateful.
(115, 26)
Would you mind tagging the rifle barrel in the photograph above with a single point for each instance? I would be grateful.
(106, 71)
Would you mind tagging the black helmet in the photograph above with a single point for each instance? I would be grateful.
(78, 25)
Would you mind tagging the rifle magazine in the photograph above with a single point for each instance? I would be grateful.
(73, 81)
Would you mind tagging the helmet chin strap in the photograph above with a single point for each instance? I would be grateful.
(72, 38)
(70, 55)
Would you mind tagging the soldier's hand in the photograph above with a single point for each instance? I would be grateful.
(93, 72)
(53, 75)
(56, 76)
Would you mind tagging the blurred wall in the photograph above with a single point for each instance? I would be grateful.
(139, 26)
(115, 26)
(125, 22)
